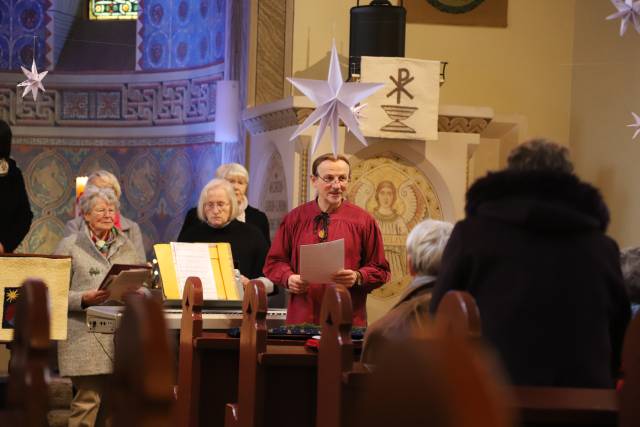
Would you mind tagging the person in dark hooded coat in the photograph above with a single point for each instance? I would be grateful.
(15, 214)
(533, 252)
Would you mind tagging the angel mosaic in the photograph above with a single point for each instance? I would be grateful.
(398, 196)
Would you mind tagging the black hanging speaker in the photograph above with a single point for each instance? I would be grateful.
(376, 30)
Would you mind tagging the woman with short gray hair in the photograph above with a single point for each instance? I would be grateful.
(425, 245)
(87, 357)
(238, 177)
(105, 179)
(217, 210)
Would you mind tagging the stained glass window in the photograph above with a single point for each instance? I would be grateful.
(114, 9)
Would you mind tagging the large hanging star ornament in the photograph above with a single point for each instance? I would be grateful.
(334, 101)
(33, 82)
(628, 10)
(635, 125)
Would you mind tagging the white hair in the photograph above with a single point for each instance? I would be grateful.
(91, 195)
(226, 170)
(107, 177)
(425, 245)
(228, 189)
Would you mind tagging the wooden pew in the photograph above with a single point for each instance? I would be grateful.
(27, 400)
(277, 383)
(629, 396)
(458, 314)
(439, 382)
(345, 388)
(335, 360)
(208, 368)
(142, 395)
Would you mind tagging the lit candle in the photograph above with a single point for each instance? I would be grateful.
(81, 182)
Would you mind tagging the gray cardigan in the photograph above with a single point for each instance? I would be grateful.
(129, 227)
(85, 353)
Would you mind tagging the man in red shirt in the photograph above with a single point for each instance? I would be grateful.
(328, 218)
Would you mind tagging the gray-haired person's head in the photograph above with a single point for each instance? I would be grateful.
(228, 189)
(425, 245)
(105, 179)
(630, 263)
(91, 196)
(540, 155)
(227, 170)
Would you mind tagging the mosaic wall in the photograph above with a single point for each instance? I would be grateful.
(161, 179)
(20, 21)
(180, 34)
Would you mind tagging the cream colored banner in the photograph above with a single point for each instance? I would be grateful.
(54, 272)
(407, 107)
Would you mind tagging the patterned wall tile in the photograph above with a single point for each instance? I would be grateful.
(25, 24)
(177, 34)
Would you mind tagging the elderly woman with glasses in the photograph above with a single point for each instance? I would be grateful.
(217, 212)
(87, 357)
(105, 179)
(238, 177)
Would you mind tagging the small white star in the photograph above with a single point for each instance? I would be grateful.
(33, 82)
(635, 125)
(335, 101)
(628, 10)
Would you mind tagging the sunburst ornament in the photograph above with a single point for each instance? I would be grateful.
(12, 295)
(628, 10)
(334, 101)
(33, 82)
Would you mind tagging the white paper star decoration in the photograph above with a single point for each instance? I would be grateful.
(33, 82)
(628, 10)
(635, 125)
(334, 101)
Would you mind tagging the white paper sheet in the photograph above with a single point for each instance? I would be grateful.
(319, 261)
(193, 259)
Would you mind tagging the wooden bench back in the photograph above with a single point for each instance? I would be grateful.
(458, 315)
(335, 356)
(143, 367)
(188, 397)
(436, 382)
(27, 398)
(253, 341)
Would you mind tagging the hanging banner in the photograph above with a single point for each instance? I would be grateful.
(407, 107)
(55, 272)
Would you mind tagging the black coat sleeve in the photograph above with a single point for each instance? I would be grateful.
(620, 309)
(259, 219)
(21, 215)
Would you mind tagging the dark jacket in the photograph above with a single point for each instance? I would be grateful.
(533, 253)
(15, 214)
(253, 216)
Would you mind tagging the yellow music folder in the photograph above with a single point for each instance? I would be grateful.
(55, 272)
(221, 266)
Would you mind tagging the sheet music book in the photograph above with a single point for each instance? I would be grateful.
(212, 263)
(125, 278)
(193, 259)
(319, 261)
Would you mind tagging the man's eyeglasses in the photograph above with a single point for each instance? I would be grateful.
(330, 179)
